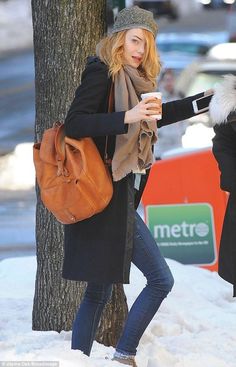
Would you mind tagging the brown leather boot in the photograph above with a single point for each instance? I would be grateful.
(129, 361)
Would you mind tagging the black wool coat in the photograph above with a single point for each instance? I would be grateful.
(99, 249)
(224, 150)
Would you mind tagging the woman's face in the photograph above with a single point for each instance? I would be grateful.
(134, 47)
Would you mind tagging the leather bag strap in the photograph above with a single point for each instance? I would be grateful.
(110, 109)
(111, 98)
(60, 148)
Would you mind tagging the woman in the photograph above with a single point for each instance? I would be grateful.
(100, 249)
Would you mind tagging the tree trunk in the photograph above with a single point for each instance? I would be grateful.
(65, 33)
(113, 317)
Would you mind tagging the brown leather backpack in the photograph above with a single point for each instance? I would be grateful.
(73, 179)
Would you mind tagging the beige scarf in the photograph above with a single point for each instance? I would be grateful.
(133, 151)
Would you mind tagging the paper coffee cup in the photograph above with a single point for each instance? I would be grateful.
(155, 95)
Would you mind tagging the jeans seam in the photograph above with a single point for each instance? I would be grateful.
(92, 332)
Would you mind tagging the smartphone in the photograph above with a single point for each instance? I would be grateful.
(202, 104)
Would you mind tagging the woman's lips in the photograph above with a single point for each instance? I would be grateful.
(137, 59)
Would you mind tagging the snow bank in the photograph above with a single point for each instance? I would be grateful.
(195, 326)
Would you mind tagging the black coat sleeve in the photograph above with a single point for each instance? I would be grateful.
(224, 150)
(177, 110)
(86, 117)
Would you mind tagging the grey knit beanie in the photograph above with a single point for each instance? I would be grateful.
(135, 17)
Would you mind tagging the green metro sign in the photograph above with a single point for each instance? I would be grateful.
(184, 232)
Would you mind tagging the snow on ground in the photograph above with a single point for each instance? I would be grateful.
(15, 25)
(195, 326)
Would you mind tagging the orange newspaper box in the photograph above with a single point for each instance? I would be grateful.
(184, 207)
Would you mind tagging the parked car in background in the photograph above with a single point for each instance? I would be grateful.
(159, 7)
(223, 51)
(204, 74)
(178, 50)
(231, 22)
(216, 4)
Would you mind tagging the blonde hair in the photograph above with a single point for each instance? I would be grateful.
(111, 48)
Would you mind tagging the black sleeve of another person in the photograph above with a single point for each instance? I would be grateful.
(224, 150)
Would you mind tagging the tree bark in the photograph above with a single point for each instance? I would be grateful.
(65, 33)
(113, 317)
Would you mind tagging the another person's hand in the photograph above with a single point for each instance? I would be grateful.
(144, 111)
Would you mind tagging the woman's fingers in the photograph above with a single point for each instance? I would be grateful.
(151, 100)
(144, 110)
(209, 92)
(156, 112)
(153, 105)
(148, 99)
(153, 108)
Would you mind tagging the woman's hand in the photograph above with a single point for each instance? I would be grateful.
(144, 111)
(208, 92)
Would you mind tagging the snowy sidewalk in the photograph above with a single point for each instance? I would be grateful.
(195, 326)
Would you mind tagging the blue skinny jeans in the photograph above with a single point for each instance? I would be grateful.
(149, 260)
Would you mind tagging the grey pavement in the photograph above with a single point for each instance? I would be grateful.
(17, 222)
(204, 21)
(17, 111)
